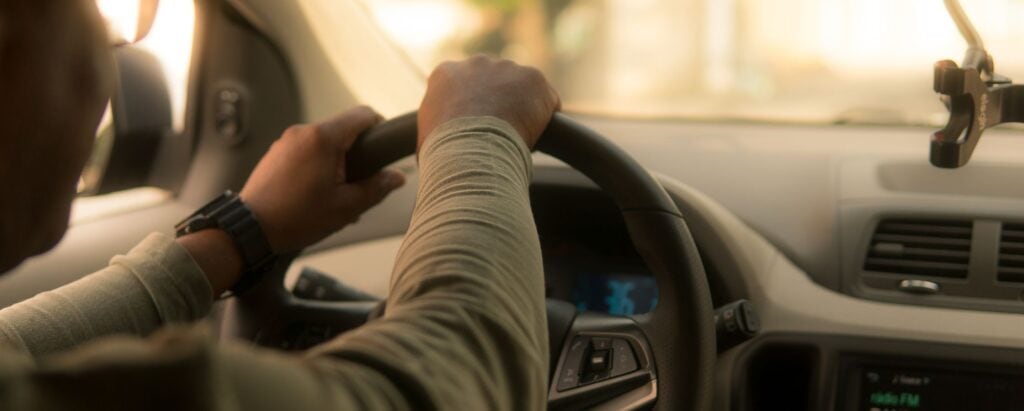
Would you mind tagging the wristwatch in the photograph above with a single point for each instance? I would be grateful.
(227, 212)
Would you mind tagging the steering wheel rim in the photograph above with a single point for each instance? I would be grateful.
(679, 332)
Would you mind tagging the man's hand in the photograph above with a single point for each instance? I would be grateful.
(483, 86)
(298, 191)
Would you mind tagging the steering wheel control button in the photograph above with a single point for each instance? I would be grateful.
(597, 361)
(735, 323)
(623, 359)
(569, 376)
(599, 344)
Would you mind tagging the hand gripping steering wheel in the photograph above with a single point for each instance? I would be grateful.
(665, 357)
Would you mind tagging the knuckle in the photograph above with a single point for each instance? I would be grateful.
(362, 115)
(362, 110)
(304, 136)
(535, 75)
(442, 69)
(440, 74)
(316, 139)
(555, 100)
(294, 132)
(482, 61)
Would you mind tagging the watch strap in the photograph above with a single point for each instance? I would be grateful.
(228, 213)
(237, 220)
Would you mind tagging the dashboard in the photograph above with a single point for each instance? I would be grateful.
(821, 349)
(818, 349)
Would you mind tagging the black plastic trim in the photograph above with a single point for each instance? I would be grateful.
(599, 325)
(834, 354)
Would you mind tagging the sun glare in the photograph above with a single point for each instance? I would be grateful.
(122, 17)
(170, 40)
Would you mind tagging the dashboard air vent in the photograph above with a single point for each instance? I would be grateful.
(940, 248)
(1011, 253)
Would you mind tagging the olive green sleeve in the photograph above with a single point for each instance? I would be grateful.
(157, 283)
(465, 324)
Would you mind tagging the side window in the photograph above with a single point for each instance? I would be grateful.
(137, 121)
(147, 109)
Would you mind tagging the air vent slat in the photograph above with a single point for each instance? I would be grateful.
(921, 240)
(1011, 247)
(916, 267)
(1012, 270)
(1011, 260)
(928, 229)
(1011, 274)
(1013, 235)
(895, 250)
(925, 247)
(1011, 277)
(1011, 253)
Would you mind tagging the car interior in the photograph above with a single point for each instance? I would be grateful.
(793, 205)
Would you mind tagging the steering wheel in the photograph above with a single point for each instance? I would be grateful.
(665, 357)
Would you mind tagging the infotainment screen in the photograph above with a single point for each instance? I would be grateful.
(897, 389)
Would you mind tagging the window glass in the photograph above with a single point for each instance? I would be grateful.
(170, 42)
(817, 61)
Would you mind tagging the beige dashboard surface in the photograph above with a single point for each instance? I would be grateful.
(784, 296)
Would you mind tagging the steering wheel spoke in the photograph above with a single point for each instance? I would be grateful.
(604, 362)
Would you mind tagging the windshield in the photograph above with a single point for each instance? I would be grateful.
(805, 61)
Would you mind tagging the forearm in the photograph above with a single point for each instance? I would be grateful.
(465, 318)
(156, 283)
(465, 326)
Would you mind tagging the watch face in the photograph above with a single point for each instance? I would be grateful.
(203, 218)
(199, 223)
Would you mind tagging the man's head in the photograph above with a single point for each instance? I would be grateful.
(55, 79)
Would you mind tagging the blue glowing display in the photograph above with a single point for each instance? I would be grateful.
(615, 294)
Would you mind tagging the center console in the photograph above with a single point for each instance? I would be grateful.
(873, 384)
(819, 372)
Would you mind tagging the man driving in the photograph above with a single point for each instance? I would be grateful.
(465, 322)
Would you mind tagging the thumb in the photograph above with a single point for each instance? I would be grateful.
(359, 196)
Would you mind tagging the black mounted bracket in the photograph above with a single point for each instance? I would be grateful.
(977, 98)
(974, 105)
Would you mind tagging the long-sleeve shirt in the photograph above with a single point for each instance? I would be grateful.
(465, 324)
